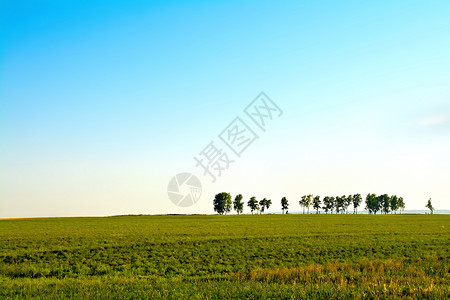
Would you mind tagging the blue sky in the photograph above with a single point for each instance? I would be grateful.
(102, 103)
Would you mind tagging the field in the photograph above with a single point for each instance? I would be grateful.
(245, 257)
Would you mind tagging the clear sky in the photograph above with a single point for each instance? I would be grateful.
(103, 102)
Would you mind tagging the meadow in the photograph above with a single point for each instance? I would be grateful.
(211, 257)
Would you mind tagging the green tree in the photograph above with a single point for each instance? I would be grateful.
(401, 204)
(262, 205)
(385, 202)
(340, 203)
(302, 202)
(429, 206)
(328, 204)
(337, 202)
(228, 204)
(394, 203)
(316, 203)
(253, 204)
(357, 199)
(333, 203)
(284, 205)
(222, 203)
(348, 201)
(324, 206)
(267, 203)
(372, 203)
(238, 204)
(308, 201)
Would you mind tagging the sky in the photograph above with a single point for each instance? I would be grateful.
(102, 103)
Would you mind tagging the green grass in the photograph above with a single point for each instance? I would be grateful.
(249, 256)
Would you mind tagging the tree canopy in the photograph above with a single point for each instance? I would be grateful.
(238, 205)
(429, 206)
(284, 205)
(339, 204)
(222, 203)
(253, 204)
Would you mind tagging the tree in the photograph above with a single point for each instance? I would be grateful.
(316, 203)
(284, 205)
(238, 205)
(336, 204)
(302, 202)
(348, 201)
(308, 201)
(333, 203)
(357, 199)
(262, 205)
(401, 204)
(394, 203)
(385, 202)
(222, 203)
(340, 203)
(372, 203)
(325, 202)
(253, 204)
(328, 204)
(429, 206)
(267, 203)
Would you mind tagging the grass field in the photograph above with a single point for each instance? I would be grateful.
(246, 257)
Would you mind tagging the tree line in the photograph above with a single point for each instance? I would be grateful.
(224, 204)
